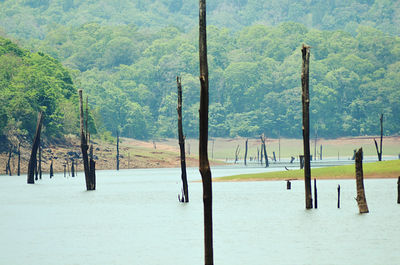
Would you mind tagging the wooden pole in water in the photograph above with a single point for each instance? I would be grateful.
(398, 190)
(361, 200)
(19, 160)
(306, 124)
(181, 138)
(338, 196)
(315, 194)
(204, 165)
(245, 152)
(35, 146)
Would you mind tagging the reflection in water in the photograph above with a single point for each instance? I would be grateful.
(134, 217)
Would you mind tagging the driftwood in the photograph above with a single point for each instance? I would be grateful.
(306, 124)
(35, 146)
(204, 165)
(181, 138)
(361, 200)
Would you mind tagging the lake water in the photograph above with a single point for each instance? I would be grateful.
(134, 217)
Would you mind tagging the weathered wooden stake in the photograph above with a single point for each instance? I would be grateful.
(245, 152)
(117, 157)
(204, 165)
(338, 196)
(35, 146)
(181, 138)
(306, 124)
(19, 160)
(361, 200)
(315, 194)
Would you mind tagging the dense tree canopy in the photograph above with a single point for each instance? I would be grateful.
(129, 70)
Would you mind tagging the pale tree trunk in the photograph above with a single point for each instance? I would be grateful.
(204, 165)
(306, 124)
(35, 146)
(361, 200)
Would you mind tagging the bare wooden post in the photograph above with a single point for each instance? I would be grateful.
(306, 124)
(40, 161)
(117, 157)
(338, 196)
(36, 142)
(51, 169)
(19, 160)
(245, 152)
(315, 194)
(185, 195)
(398, 190)
(204, 165)
(361, 200)
(84, 145)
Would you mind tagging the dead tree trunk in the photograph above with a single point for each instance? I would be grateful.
(398, 190)
(92, 169)
(258, 155)
(19, 160)
(320, 153)
(36, 142)
(84, 145)
(338, 196)
(40, 161)
(8, 166)
(361, 200)
(72, 168)
(301, 159)
(245, 152)
(185, 195)
(117, 150)
(237, 153)
(265, 150)
(51, 169)
(379, 151)
(204, 165)
(315, 194)
(306, 124)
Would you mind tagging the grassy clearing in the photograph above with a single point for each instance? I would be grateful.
(382, 169)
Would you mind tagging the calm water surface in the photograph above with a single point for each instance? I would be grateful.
(134, 217)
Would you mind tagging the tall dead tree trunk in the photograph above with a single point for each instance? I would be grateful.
(306, 124)
(51, 169)
(19, 160)
(315, 194)
(379, 151)
(35, 146)
(361, 200)
(117, 157)
(72, 168)
(398, 190)
(84, 145)
(245, 151)
(237, 153)
(320, 153)
(338, 196)
(265, 150)
(185, 195)
(8, 167)
(204, 165)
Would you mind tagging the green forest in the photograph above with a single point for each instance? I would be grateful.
(126, 55)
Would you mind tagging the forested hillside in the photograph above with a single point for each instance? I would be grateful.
(33, 82)
(127, 55)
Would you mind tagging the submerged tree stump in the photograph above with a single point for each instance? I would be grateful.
(264, 148)
(35, 146)
(288, 184)
(245, 151)
(117, 156)
(204, 165)
(51, 169)
(181, 138)
(398, 190)
(315, 194)
(338, 196)
(361, 200)
(379, 151)
(19, 160)
(306, 124)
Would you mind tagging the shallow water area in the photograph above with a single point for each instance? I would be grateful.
(134, 217)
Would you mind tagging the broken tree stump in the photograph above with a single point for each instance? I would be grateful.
(19, 160)
(301, 159)
(306, 124)
(288, 184)
(398, 190)
(51, 169)
(315, 194)
(361, 200)
(35, 146)
(245, 152)
(72, 168)
(338, 196)
(117, 156)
